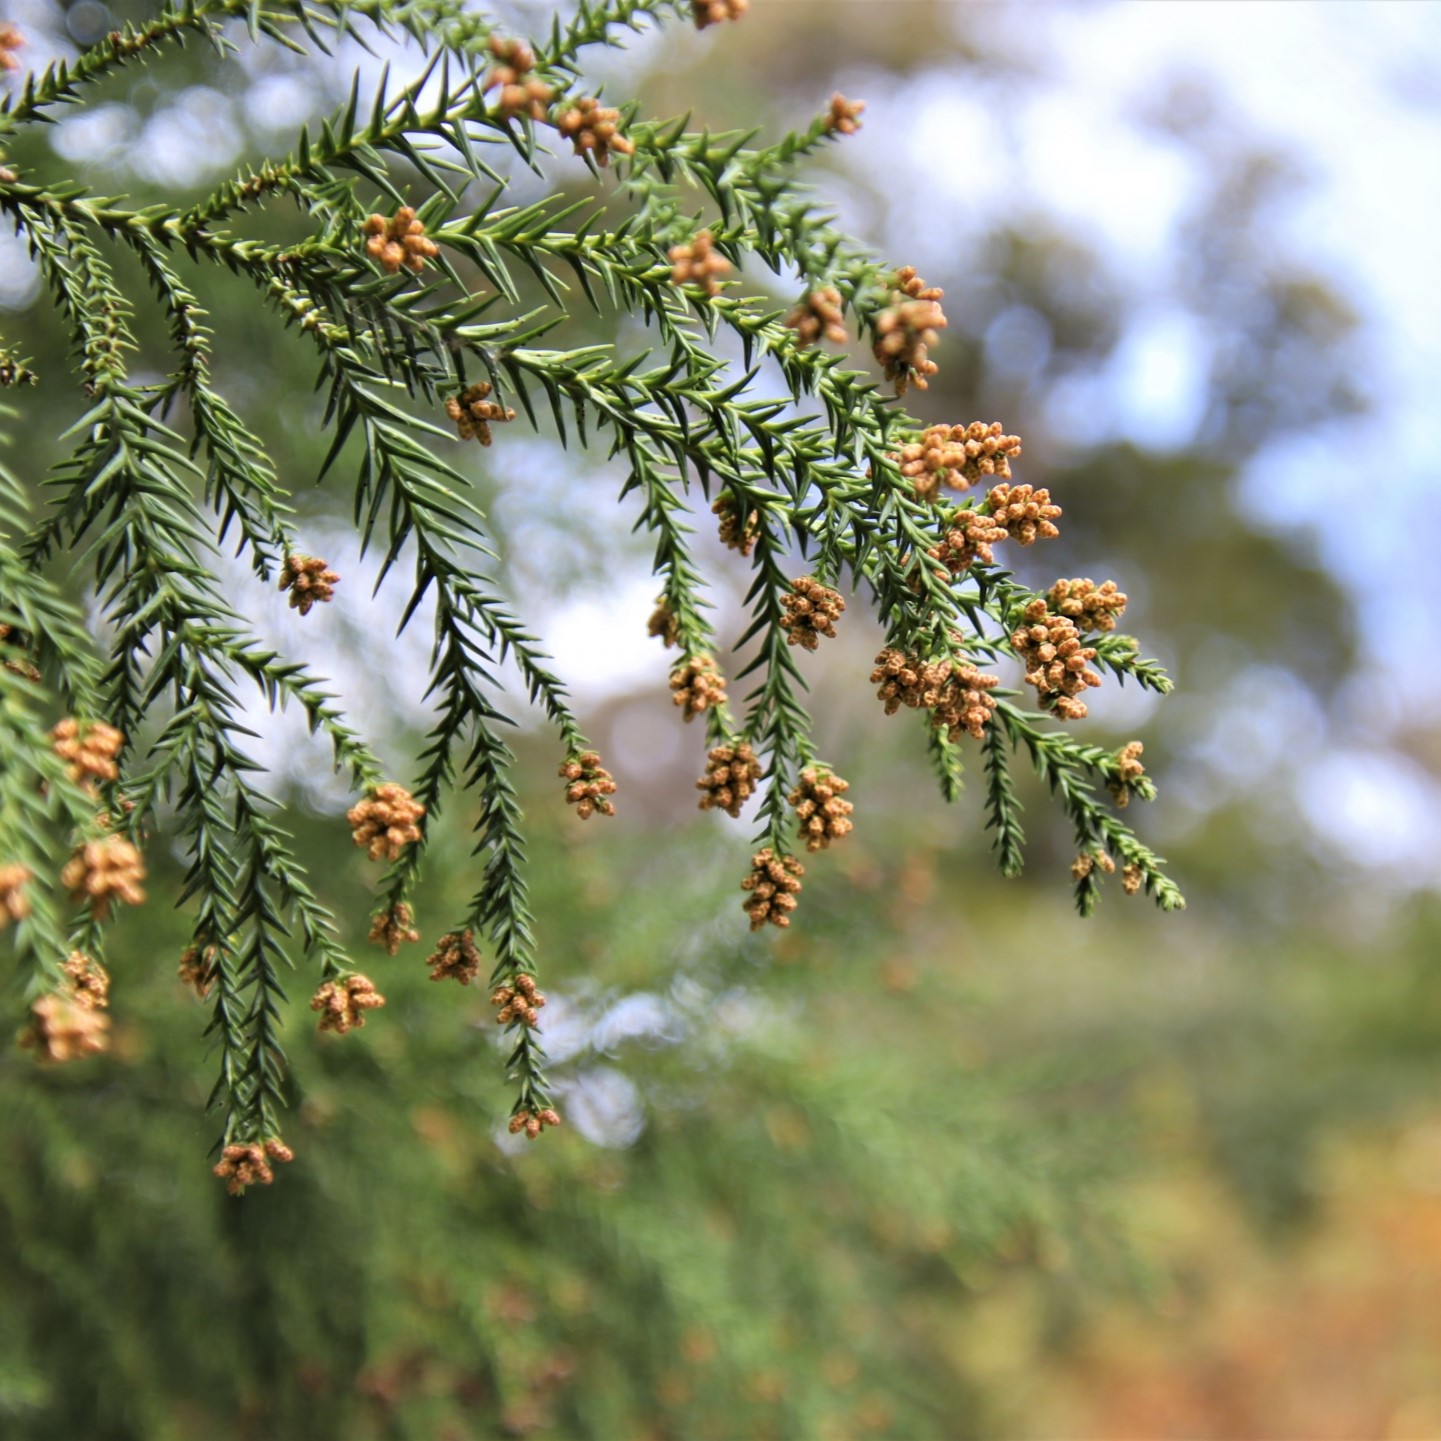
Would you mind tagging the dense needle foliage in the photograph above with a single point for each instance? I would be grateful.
(440, 315)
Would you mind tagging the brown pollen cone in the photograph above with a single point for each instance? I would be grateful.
(697, 685)
(1026, 514)
(521, 93)
(713, 12)
(663, 623)
(309, 580)
(473, 413)
(1128, 769)
(90, 749)
(811, 611)
(385, 822)
(698, 263)
(958, 457)
(390, 928)
(248, 1164)
(906, 329)
(844, 116)
(102, 871)
(969, 538)
(518, 1002)
(819, 315)
(399, 242)
(773, 882)
(455, 958)
(738, 534)
(590, 785)
(1091, 606)
(731, 775)
(823, 814)
(87, 982)
(63, 1029)
(199, 966)
(342, 1004)
(1050, 647)
(14, 903)
(965, 701)
(11, 40)
(593, 127)
(533, 1122)
(955, 692)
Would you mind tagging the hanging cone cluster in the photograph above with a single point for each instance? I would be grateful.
(697, 685)
(593, 128)
(773, 883)
(819, 315)
(590, 785)
(518, 1001)
(399, 242)
(1026, 514)
(732, 773)
(1091, 606)
(811, 611)
(958, 457)
(906, 331)
(248, 1164)
(823, 815)
(385, 822)
(342, 1004)
(104, 871)
(455, 958)
(309, 580)
(90, 750)
(1056, 661)
(473, 414)
(521, 93)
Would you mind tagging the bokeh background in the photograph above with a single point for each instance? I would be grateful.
(942, 1161)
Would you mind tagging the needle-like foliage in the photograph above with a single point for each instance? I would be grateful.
(437, 314)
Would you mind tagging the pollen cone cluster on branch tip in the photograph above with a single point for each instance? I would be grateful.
(713, 12)
(1128, 769)
(473, 413)
(533, 1122)
(1050, 647)
(399, 241)
(61, 1029)
(591, 126)
(697, 685)
(698, 263)
(906, 330)
(958, 457)
(731, 775)
(773, 883)
(199, 966)
(455, 958)
(663, 623)
(1089, 861)
(342, 1004)
(248, 1164)
(518, 1001)
(590, 785)
(1132, 879)
(87, 982)
(955, 692)
(965, 701)
(90, 749)
(309, 580)
(390, 928)
(740, 534)
(969, 538)
(819, 314)
(1027, 514)
(14, 903)
(102, 871)
(521, 93)
(823, 815)
(385, 822)
(811, 611)
(844, 117)
(1091, 606)
(11, 40)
